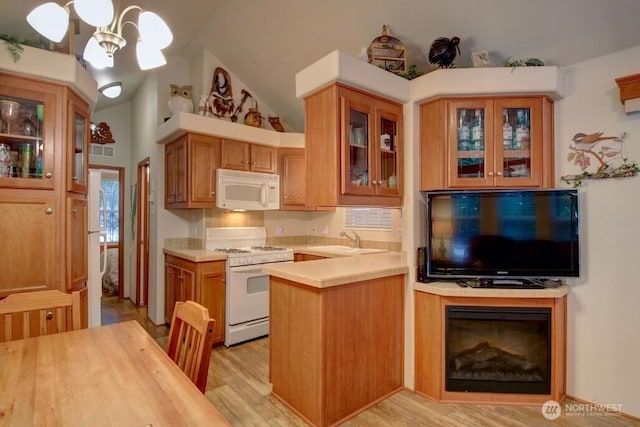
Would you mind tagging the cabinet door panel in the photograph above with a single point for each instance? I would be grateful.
(78, 143)
(170, 277)
(35, 132)
(235, 155)
(471, 156)
(263, 158)
(212, 296)
(204, 161)
(28, 244)
(77, 243)
(357, 127)
(521, 160)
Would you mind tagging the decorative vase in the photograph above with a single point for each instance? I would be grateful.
(253, 118)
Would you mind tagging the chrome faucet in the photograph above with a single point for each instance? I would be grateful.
(355, 239)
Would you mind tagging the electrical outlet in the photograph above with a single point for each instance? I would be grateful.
(314, 229)
(280, 230)
(399, 232)
(325, 231)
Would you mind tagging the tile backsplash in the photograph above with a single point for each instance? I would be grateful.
(224, 218)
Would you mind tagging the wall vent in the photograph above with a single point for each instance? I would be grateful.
(102, 150)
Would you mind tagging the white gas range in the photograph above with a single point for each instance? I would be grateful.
(247, 288)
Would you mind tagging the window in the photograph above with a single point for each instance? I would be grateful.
(111, 187)
(371, 218)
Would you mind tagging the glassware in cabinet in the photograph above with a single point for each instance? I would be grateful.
(22, 132)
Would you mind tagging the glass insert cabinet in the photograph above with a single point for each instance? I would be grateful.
(23, 146)
(32, 128)
(371, 149)
(490, 142)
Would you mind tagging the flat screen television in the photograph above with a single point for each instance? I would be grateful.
(528, 235)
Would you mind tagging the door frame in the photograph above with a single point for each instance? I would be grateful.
(142, 233)
(120, 170)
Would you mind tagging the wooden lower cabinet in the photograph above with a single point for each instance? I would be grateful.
(306, 257)
(77, 229)
(202, 282)
(29, 244)
(335, 351)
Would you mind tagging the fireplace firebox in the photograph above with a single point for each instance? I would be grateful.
(498, 349)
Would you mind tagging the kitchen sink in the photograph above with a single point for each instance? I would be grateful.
(347, 250)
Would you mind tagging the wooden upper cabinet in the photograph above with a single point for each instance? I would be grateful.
(354, 148)
(78, 133)
(244, 156)
(293, 183)
(190, 171)
(34, 135)
(504, 142)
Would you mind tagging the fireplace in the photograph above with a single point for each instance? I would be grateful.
(498, 349)
(519, 321)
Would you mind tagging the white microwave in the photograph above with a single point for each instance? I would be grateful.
(251, 191)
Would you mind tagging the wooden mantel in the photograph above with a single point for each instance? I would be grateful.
(630, 92)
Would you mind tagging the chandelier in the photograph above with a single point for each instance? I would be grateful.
(52, 20)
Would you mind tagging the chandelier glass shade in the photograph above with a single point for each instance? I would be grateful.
(52, 20)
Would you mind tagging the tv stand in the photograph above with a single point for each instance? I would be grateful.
(508, 283)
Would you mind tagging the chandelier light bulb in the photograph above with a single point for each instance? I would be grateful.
(97, 13)
(153, 30)
(149, 56)
(51, 20)
(96, 55)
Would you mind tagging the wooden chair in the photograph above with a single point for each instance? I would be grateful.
(190, 340)
(30, 314)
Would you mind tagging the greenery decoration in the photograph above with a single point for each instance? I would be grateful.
(411, 73)
(16, 47)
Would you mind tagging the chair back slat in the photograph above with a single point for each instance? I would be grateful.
(37, 313)
(190, 340)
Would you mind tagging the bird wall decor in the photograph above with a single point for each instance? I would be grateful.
(611, 162)
(443, 51)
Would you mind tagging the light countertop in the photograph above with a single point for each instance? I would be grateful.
(329, 272)
(450, 289)
(195, 255)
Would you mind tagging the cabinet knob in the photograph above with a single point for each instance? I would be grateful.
(490, 173)
(48, 211)
(213, 193)
(48, 175)
(499, 174)
(75, 178)
(254, 163)
(246, 162)
(49, 315)
(74, 211)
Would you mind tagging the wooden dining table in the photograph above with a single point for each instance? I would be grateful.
(115, 375)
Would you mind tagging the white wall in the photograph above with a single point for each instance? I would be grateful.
(603, 316)
(119, 120)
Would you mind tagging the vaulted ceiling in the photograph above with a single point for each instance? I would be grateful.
(266, 42)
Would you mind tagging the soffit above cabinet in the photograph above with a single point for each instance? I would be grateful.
(59, 67)
(341, 67)
(182, 123)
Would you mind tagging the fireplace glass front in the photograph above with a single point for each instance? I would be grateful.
(498, 349)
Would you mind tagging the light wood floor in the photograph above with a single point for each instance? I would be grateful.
(238, 387)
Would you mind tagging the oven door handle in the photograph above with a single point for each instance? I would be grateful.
(257, 268)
